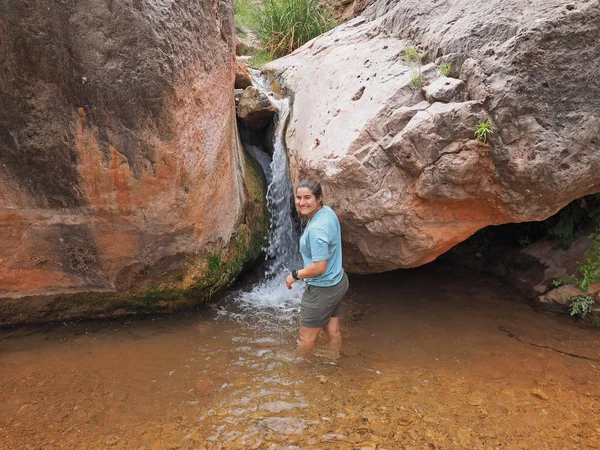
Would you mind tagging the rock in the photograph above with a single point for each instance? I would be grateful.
(242, 76)
(237, 93)
(559, 299)
(463, 436)
(255, 110)
(409, 181)
(112, 441)
(445, 90)
(247, 42)
(119, 162)
(474, 400)
(539, 394)
(343, 10)
(532, 269)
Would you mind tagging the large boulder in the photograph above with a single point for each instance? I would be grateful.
(407, 177)
(123, 185)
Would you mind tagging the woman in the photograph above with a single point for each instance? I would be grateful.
(327, 283)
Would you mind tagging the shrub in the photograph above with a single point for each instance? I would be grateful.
(446, 69)
(581, 305)
(588, 271)
(412, 55)
(417, 80)
(284, 25)
(483, 130)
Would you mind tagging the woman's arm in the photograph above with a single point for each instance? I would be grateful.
(314, 269)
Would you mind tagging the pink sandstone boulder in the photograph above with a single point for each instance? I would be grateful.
(407, 177)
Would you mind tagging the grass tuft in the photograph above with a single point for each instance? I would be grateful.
(446, 69)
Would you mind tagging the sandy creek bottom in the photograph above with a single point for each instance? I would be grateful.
(434, 358)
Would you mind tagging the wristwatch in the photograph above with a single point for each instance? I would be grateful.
(295, 274)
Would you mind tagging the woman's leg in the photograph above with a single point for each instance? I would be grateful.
(335, 336)
(308, 340)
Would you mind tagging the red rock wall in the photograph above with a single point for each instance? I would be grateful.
(117, 143)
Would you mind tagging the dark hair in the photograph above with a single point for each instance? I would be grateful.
(313, 187)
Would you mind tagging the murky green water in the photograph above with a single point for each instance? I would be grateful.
(435, 358)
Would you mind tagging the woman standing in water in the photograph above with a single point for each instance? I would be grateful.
(327, 283)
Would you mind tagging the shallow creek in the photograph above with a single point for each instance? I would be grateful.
(433, 358)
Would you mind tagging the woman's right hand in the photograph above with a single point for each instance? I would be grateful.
(289, 281)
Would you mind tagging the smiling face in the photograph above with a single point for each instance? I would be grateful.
(306, 202)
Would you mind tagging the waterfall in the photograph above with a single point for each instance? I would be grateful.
(282, 251)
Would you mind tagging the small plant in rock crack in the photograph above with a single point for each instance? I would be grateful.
(483, 131)
(558, 282)
(581, 305)
(417, 80)
(412, 55)
(446, 69)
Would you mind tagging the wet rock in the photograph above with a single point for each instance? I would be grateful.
(463, 436)
(112, 441)
(445, 90)
(475, 400)
(539, 394)
(255, 110)
(242, 76)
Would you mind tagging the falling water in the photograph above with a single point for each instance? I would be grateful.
(282, 250)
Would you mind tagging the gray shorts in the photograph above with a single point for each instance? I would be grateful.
(320, 303)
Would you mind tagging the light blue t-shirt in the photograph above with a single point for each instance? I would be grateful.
(322, 240)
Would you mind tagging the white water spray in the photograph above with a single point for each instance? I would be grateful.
(282, 251)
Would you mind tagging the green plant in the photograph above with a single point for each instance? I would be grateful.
(581, 305)
(417, 80)
(284, 25)
(588, 271)
(412, 55)
(483, 130)
(244, 13)
(446, 69)
(558, 282)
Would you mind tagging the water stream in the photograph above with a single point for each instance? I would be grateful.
(271, 295)
(455, 363)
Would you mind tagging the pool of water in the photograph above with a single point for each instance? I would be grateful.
(433, 358)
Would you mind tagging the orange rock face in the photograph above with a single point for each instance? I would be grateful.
(120, 165)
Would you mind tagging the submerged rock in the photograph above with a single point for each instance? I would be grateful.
(408, 179)
(123, 186)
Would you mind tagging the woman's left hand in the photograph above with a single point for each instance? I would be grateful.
(289, 281)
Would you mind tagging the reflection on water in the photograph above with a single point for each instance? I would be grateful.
(432, 358)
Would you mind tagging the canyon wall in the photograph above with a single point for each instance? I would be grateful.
(121, 173)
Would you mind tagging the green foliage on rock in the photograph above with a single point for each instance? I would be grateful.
(483, 130)
(417, 80)
(285, 25)
(588, 270)
(412, 55)
(581, 305)
(446, 69)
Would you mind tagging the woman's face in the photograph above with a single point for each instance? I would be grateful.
(306, 202)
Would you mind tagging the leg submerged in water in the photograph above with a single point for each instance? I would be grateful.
(335, 336)
(308, 340)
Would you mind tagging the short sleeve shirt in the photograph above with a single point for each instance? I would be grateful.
(322, 241)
